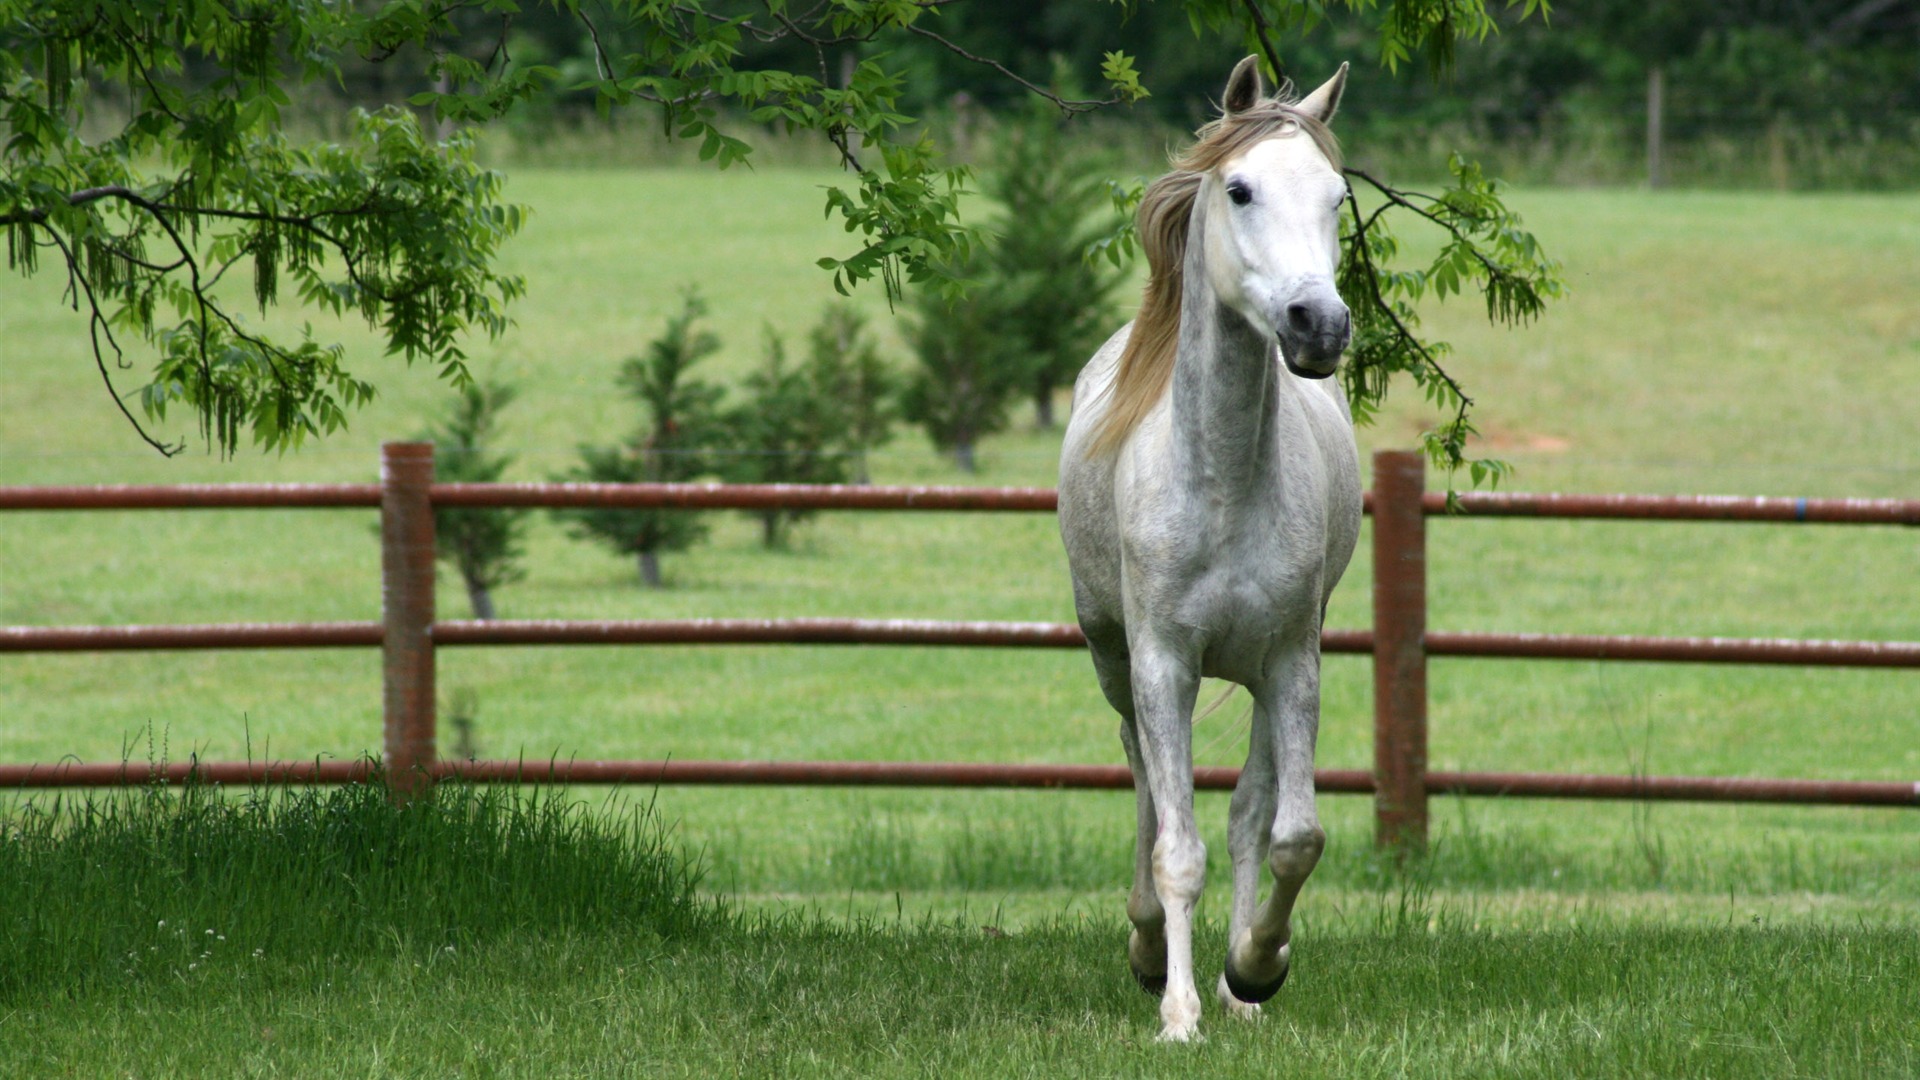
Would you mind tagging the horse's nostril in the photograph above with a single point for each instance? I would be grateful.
(1300, 317)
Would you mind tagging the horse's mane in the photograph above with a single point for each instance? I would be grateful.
(1146, 363)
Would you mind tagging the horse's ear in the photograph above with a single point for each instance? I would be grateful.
(1244, 90)
(1324, 102)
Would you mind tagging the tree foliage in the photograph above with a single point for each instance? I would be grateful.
(194, 179)
(1483, 246)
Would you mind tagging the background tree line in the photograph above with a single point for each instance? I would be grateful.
(1801, 93)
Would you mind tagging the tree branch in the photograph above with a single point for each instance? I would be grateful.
(1397, 197)
(96, 325)
(1261, 30)
(1064, 105)
(1400, 328)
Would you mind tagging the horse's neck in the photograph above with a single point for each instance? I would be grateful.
(1225, 390)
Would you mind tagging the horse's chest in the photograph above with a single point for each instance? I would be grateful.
(1254, 592)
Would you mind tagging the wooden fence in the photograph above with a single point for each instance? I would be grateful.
(409, 635)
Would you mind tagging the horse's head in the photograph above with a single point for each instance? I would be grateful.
(1272, 217)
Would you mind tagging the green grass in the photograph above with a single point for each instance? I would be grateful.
(327, 933)
(824, 999)
(1713, 343)
(493, 934)
(153, 883)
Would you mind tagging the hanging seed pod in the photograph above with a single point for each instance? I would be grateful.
(266, 265)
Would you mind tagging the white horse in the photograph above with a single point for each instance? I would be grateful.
(1210, 500)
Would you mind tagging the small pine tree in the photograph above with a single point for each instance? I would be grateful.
(969, 370)
(845, 366)
(792, 428)
(483, 545)
(1054, 205)
(679, 432)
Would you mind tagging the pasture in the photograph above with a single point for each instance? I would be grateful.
(1713, 343)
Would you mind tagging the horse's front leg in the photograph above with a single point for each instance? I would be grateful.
(1164, 686)
(1147, 944)
(1281, 828)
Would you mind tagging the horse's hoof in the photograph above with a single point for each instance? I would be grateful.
(1250, 992)
(1152, 984)
(1239, 1010)
(1138, 950)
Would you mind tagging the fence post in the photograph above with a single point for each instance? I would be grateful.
(1399, 649)
(406, 586)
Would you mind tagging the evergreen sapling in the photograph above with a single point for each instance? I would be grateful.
(679, 431)
(483, 545)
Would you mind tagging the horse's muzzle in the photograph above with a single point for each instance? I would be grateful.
(1314, 336)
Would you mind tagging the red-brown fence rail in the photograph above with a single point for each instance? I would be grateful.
(1785, 651)
(958, 775)
(408, 635)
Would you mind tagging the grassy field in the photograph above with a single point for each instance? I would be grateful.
(487, 935)
(1713, 343)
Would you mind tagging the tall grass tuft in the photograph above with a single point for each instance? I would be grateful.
(151, 882)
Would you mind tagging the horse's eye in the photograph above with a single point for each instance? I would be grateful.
(1240, 193)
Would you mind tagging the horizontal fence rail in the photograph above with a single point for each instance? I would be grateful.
(1703, 650)
(1400, 782)
(1730, 508)
(1694, 650)
(747, 497)
(1680, 508)
(192, 497)
(917, 774)
(627, 496)
(762, 632)
(20, 639)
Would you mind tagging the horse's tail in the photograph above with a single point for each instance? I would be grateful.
(1214, 706)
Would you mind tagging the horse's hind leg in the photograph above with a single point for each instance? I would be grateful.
(1259, 950)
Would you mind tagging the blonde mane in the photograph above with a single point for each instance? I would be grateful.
(1146, 363)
